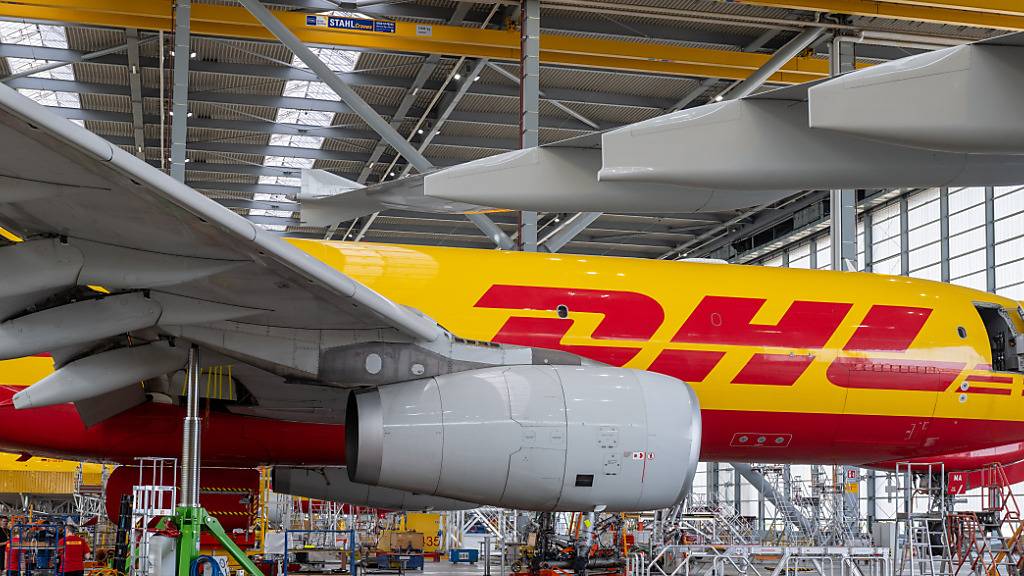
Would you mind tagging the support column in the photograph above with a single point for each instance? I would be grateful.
(713, 482)
(843, 203)
(529, 103)
(904, 236)
(872, 499)
(737, 491)
(990, 239)
(179, 103)
(944, 234)
(869, 242)
(135, 87)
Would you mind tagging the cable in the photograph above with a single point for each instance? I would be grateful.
(199, 560)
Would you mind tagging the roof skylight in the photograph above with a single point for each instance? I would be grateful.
(304, 117)
(27, 34)
(53, 97)
(296, 140)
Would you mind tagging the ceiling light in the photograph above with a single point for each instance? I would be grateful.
(458, 76)
(420, 131)
(477, 79)
(719, 98)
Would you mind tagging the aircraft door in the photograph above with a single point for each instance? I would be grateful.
(1005, 341)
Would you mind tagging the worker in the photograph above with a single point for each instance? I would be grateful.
(13, 556)
(5, 535)
(72, 549)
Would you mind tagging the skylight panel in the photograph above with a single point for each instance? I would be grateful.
(279, 181)
(18, 65)
(296, 140)
(272, 227)
(53, 98)
(273, 213)
(304, 117)
(27, 34)
(337, 60)
(288, 162)
(272, 197)
(309, 89)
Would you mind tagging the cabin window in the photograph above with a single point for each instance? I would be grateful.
(1006, 344)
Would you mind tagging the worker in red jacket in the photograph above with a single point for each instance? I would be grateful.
(72, 549)
(12, 559)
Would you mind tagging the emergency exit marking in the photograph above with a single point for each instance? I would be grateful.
(643, 455)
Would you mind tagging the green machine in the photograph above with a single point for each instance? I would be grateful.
(190, 518)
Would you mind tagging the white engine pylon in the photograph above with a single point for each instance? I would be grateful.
(102, 373)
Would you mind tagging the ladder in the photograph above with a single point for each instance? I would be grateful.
(921, 521)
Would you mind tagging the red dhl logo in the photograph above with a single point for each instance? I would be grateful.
(728, 321)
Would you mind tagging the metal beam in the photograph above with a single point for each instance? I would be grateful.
(79, 57)
(215, 97)
(555, 103)
(707, 83)
(448, 108)
(779, 59)
(568, 230)
(135, 85)
(347, 94)
(614, 54)
(557, 96)
(179, 102)
(529, 103)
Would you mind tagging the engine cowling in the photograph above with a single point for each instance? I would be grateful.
(333, 484)
(530, 437)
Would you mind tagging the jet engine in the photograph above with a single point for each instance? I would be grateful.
(332, 484)
(530, 437)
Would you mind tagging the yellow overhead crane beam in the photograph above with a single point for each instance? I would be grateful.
(423, 38)
(997, 14)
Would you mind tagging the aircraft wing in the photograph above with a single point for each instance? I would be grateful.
(169, 265)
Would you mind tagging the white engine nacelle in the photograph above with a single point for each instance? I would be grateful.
(332, 484)
(530, 437)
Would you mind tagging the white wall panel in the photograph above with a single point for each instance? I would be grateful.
(964, 198)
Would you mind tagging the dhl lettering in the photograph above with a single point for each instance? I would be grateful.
(628, 316)
(990, 379)
(988, 390)
(888, 328)
(773, 369)
(727, 320)
(687, 365)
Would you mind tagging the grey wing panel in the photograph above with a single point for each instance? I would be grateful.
(60, 179)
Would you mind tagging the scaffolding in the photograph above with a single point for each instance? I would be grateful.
(154, 496)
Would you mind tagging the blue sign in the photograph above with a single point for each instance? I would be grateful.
(346, 23)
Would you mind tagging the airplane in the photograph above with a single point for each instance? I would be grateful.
(529, 381)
